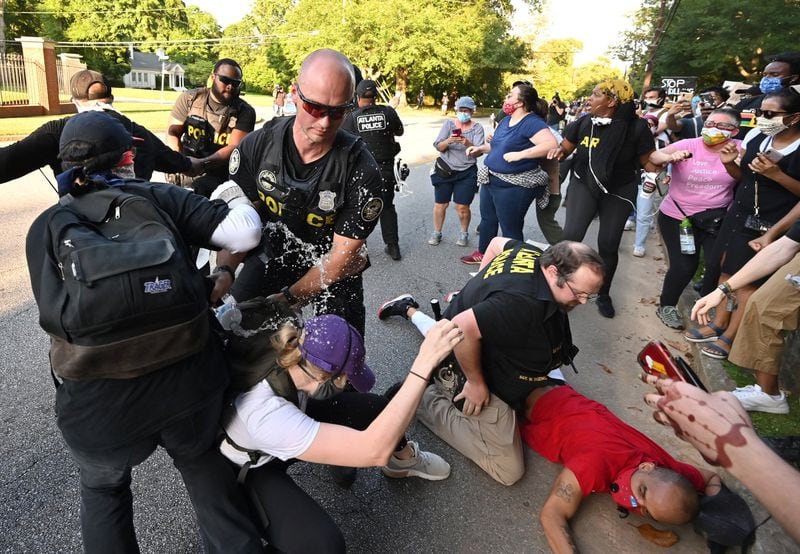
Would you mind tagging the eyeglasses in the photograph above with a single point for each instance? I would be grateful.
(228, 81)
(340, 379)
(721, 125)
(318, 111)
(769, 114)
(580, 295)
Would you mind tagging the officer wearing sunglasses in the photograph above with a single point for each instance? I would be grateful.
(319, 193)
(209, 122)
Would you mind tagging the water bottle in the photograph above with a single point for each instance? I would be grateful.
(229, 314)
(687, 237)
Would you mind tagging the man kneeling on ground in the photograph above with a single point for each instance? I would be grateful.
(516, 337)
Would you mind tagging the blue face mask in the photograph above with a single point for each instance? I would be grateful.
(463, 117)
(770, 84)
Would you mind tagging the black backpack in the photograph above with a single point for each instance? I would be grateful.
(116, 288)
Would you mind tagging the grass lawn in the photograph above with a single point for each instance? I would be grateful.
(768, 425)
(145, 107)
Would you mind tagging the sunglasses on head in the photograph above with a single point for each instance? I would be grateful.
(318, 111)
(235, 83)
(769, 114)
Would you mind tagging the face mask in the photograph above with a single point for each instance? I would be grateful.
(463, 117)
(770, 84)
(325, 390)
(508, 108)
(653, 104)
(771, 127)
(712, 136)
(601, 121)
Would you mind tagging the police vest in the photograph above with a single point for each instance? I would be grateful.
(372, 123)
(317, 198)
(207, 131)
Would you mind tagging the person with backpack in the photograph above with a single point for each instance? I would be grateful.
(209, 122)
(133, 355)
(293, 404)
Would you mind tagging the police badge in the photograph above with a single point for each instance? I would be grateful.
(267, 180)
(327, 200)
(233, 163)
(372, 209)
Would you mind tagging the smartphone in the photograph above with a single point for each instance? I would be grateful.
(773, 154)
(656, 359)
(456, 132)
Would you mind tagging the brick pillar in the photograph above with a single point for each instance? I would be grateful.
(40, 72)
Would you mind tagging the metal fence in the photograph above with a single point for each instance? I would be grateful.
(13, 81)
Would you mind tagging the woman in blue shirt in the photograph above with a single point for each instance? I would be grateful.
(511, 177)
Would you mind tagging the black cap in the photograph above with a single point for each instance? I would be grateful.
(367, 89)
(82, 81)
(92, 134)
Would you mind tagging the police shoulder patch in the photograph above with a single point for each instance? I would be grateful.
(372, 209)
(233, 163)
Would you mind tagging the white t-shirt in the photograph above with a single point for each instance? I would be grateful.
(264, 421)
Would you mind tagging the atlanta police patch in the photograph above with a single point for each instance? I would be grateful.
(267, 180)
(372, 209)
(233, 163)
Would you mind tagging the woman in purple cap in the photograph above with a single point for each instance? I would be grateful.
(301, 411)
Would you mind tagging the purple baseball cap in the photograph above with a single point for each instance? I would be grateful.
(334, 346)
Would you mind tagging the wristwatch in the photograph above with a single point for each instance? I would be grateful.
(290, 298)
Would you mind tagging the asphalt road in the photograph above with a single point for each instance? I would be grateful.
(469, 512)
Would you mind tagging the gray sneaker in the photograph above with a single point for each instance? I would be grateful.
(425, 465)
(436, 238)
(670, 316)
(463, 239)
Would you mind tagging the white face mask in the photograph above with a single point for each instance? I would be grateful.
(600, 121)
(771, 127)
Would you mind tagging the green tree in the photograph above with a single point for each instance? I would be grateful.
(586, 76)
(710, 39)
(551, 67)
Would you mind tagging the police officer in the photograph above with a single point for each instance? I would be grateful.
(209, 122)
(318, 190)
(378, 125)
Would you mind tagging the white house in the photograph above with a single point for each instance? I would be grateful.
(145, 69)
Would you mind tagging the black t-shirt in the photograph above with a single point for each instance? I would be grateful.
(586, 137)
(107, 413)
(40, 148)
(524, 334)
(305, 231)
(377, 125)
(553, 117)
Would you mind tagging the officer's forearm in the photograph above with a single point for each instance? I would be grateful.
(335, 266)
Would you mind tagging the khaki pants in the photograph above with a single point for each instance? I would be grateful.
(771, 311)
(490, 439)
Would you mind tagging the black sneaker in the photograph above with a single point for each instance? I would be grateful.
(397, 306)
(343, 476)
(605, 306)
(393, 250)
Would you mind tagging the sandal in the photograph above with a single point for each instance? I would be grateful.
(718, 352)
(694, 335)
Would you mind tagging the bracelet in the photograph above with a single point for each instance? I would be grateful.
(290, 298)
(227, 269)
(725, 288)
(412, 372)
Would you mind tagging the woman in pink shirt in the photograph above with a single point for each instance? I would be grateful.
(700, 190)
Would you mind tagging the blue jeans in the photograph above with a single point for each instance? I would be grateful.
(505, 205)
(219, 503)
(645, 212)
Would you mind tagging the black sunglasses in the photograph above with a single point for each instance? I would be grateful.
(769, 114)
(235, 83)
(318, 111)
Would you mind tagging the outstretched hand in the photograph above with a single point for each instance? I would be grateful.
(439, 342)
(713, 423)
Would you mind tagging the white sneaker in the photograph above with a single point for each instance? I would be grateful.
(436, 238)
(638, 251)
(753, 399)
(425, 465)
(463, 239)
(630, 225)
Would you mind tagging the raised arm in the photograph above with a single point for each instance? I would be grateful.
(344, 446)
